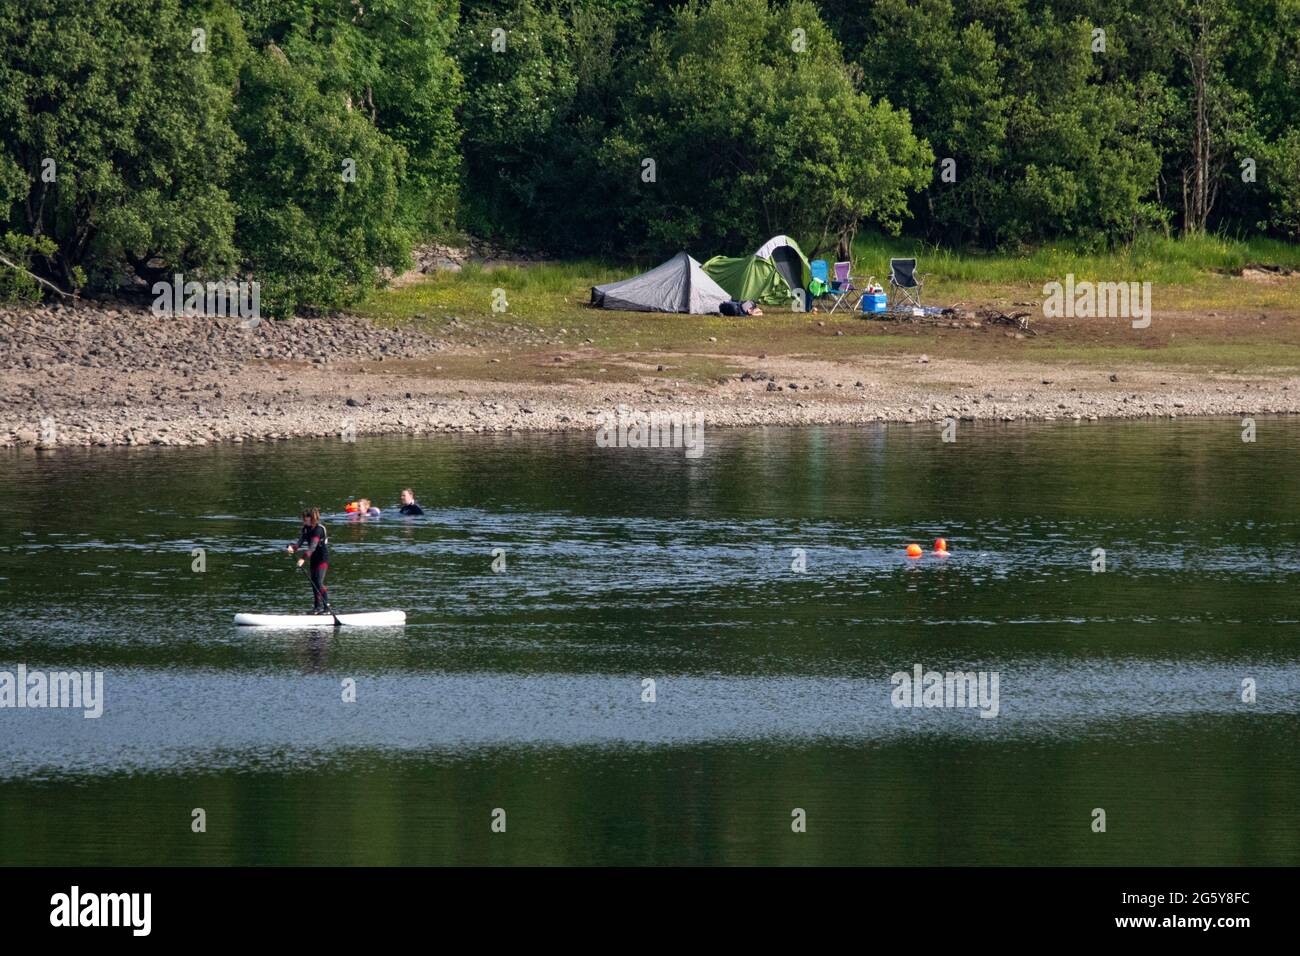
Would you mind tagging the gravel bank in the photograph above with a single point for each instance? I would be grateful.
(116, 376)
(125, 339)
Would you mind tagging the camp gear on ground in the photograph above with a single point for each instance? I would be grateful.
(875, 302)
(820, 283)
(842, 278)
(678, 285)
(821, 277)
(904, 283)
(843, 287)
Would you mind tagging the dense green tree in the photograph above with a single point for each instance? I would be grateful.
(521, 83)
(947, 74)
(754, 126)
(1015, 96)
(142, 137)
(1237, 83)
(317, 188)
(115, 134)
(543, 87)
(391, 61)
(1281, 179)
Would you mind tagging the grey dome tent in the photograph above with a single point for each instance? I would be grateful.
(678, 285)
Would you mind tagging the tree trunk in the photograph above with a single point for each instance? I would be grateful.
(1199, 187)
(844, 248)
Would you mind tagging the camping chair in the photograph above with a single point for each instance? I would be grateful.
(842, 286)
(904, 283)
(821, 273)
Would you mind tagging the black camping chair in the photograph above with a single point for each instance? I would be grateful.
(904, 283)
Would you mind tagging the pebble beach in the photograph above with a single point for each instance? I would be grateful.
(111, 375)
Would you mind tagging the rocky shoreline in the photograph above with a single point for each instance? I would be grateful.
(126, 338)
(113, 375)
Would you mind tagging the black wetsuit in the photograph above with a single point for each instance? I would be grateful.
(314, 544)
(411, 509)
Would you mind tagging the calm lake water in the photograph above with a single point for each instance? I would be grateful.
(523, 690)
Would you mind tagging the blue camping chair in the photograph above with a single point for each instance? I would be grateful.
(821, 271)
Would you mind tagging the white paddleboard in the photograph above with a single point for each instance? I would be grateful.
(365, 619)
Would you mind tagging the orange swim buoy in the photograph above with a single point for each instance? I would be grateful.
(350, 507)
(913, 550)
(940, 546)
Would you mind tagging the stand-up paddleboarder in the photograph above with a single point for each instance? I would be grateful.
(313, 545)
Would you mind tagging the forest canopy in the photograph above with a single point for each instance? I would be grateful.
(309, 144)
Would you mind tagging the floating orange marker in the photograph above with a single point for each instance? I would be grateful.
(350, 507)
(913, 550)
(940, 546)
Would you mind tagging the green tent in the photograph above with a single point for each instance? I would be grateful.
(769, 276)
(748, 277)
(785, 254)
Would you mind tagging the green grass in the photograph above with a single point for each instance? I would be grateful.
(547, 309)
(1191, 272)
(1155, 259)
(544, 292)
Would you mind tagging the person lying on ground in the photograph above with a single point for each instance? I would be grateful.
(736, 307)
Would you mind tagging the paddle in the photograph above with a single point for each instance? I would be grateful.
(315, 593)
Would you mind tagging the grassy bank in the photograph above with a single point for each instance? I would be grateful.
(1204, 314)
(1193, 261)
